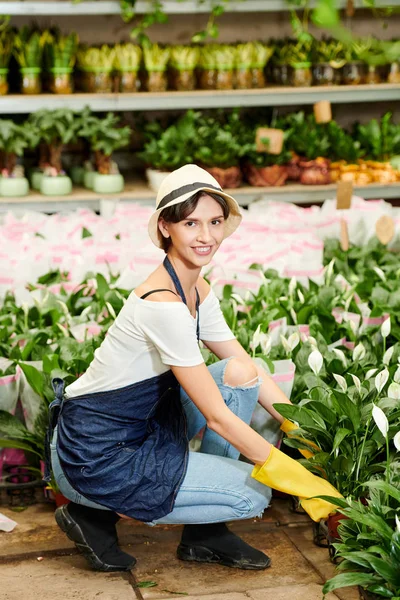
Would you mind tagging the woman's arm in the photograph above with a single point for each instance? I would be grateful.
(200, 386)
(270, 393)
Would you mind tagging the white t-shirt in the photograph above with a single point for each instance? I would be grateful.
(146, 339)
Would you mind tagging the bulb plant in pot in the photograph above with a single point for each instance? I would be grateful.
(28, 51)
(60, 56)
(207, 68)
(95, 66)
(262, 168)
(183, 63)
(105, 136)
(6, 48)
(155, 61)
(127, 64)
(225, 62)
(14, 139)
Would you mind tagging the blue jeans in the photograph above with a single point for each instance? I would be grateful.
(217, 487)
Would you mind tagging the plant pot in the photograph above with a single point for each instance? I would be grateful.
(13, 186)
(208, 78)
(21, 487)
(61, 80)
(156, 81)
(88, 178)
(108, 184)
(56, 186)
(294, 169)
(301, 75)
(373, 75)
(353, 73)
(315, 172)
(333, 523)
(30, 80)
(98, 81)
(227, 178)
(36, 179)
(393, 75)
(258, 78)
(3, 81)
(282, 74)
(183, 80)
(57, 497)
(77, 174)
(155, 178)
(224, 79)
(274, 175)
(128, 82)
(325, 74)
(244, 77)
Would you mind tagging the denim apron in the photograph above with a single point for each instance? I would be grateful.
(126, 449)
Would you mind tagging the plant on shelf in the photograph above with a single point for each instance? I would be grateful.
(127, 64)
(105, 136)
(155, 61)
(297, 55)
(14, 139)
(56, 128)
(261, 55)
(28, 51)
(6, 47)
(60, 54)
(225, 62)
(183, 62)
(207, 68)
(95, 66)
(380, 141)
(328, 56)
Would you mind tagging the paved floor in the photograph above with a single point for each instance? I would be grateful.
(38, 562)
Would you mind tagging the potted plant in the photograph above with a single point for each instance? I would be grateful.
(155, 61)
(261, 56)
(127, 63)
(168, 148)
(379, 140)
(56, 128)
(95, 66)
(14, 139)
(310, 141)
(6, 48)
(183, 63)
(60, 54)
(392, 51)
(105, 136)
(207, 68)
(354, 70)
(225, 61)
(328, 58)
(28, 51)
(260, 167)
(298, 56)
(281, 70)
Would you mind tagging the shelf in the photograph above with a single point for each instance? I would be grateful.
(201, 99)
(112, 7)
(138, 191)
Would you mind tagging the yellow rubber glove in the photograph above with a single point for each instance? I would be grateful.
(287, 427)
(287, 475)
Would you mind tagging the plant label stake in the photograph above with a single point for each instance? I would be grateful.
(384, 229)
(274, 144)
(323, 111)
(344, 193)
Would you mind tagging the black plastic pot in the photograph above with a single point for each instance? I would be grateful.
(19, 487)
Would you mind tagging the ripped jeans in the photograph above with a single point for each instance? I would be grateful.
(217, 486)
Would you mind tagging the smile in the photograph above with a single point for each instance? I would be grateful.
(203, 250)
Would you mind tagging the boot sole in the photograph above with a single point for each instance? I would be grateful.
(75, 534)
(206, 555)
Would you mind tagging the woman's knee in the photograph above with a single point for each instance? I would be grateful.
(240, 373)
(252, 505)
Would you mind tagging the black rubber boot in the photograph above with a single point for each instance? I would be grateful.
(214, 543)
(95, 536)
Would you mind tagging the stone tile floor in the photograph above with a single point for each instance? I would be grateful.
(38, 562)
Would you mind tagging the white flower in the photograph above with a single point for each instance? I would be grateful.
(396, 376)
(380, 419)
(341, 381)
(341, 356)
(380, 273)
(385, 328)
(396, 442)
(293, 340)
(397, 518)
(329, 271)
(238, 299)
(292, 286)
(312, 341)
(111, 310)
(388, 355)
(265, 343)
(301, 297)
(285, 344)
(369, 373)
(394, 391)
(353, 326)
(381, 380)
(234, 306)
(293, 315)
(315, 361)
(256, 337)
(356, 382)
(359, 352)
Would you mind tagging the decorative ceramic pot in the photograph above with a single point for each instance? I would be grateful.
(13, 186)
(227, 178)
(56, 186)
(155, 178)
(108, 184)
(88, 177)
(274, 175)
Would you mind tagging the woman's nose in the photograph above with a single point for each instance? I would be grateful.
(204, 234)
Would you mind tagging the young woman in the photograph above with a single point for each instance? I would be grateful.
(120, 447)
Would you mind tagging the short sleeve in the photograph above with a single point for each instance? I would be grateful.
(172, 330)
(213, 327)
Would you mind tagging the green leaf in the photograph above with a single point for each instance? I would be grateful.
(34, 378)
(339, 437)
(5, 443)
(348, 579)
(146, 584)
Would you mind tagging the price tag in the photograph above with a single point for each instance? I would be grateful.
(274, 144)
(344, 193)
(344, 235)
(323, 111)
(384, 229)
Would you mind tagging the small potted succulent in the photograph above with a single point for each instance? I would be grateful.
(183, 63)
(207, 68)
(261, 56)
(6, 48)
(298, 56)
(354, 71)
(244, 62)
(105, 136)
(155, 61)
(225, 61)
(28, 51)
(14, 139)
(392, 51)
(280, 68)
(328, 58)
(60, 55)
(127, 64)
(95, 66)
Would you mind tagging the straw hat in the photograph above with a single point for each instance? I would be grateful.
(180, 185)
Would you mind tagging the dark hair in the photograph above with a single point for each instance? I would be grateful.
(178, 212)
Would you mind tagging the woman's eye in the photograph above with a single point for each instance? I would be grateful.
(216, 221)
(189, 223)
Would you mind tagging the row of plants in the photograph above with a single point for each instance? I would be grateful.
(344, 338)
(48, 60)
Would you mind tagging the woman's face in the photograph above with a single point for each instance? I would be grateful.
(198, 237)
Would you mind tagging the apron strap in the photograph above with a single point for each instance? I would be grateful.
(54, 412)
(172, 273)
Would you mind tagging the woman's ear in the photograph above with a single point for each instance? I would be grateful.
(163, 227)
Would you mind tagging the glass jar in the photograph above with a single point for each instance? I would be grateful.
(128, 81)
(373, 75)
(156, 80)
(353, 73)
(258, 80)
(224, 78)
(394, 73)
(301, 75)
(244, 77)
(61, 80)
(3, 81)
(283, 74)
(97, 81)
(208, 78)
(325, 74)
(183, 79)
(30, 80)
